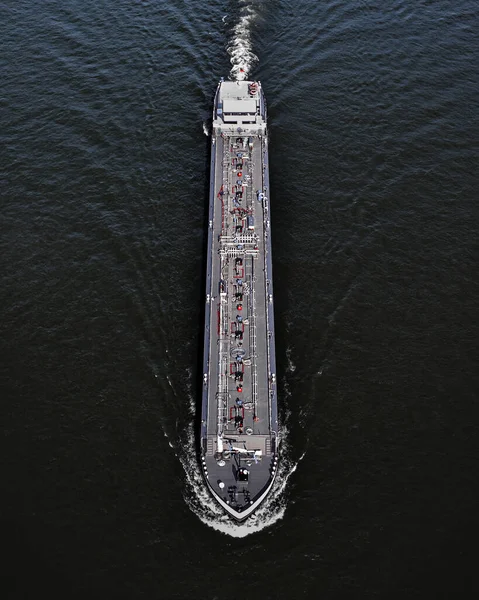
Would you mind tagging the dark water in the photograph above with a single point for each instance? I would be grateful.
(374, 142)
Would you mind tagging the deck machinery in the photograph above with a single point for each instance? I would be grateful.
(239, 440)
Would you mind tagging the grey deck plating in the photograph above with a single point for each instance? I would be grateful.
(239, 441)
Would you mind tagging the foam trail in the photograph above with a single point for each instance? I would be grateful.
(291, 368)
(239, 48)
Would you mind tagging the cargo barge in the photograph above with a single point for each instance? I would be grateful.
(239, 442)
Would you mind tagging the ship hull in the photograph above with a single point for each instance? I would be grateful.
(239, 442)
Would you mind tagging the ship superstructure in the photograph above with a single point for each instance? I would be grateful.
(239, 421)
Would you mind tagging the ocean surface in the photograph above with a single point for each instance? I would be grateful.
(374, 139)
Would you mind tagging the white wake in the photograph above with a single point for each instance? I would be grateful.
(239, 47)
